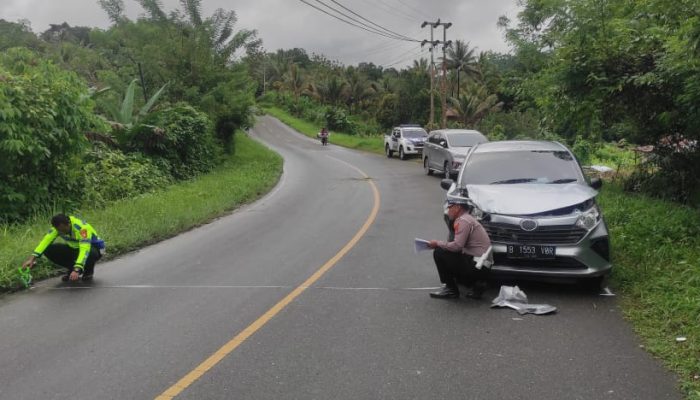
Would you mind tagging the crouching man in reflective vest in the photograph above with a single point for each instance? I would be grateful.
(79, 253)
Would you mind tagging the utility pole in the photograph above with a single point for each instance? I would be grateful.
(433, 44)
(445, 44)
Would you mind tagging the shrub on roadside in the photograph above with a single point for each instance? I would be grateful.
(179, 135)
(112, 175)
(44, 115)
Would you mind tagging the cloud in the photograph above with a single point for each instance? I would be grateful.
(291, 23)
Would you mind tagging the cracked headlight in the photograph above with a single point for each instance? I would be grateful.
(589, 219)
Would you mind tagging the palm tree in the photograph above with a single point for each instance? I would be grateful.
(332, 90)
(475, 105)
(461, 58)
(358, 88)
(293, 81)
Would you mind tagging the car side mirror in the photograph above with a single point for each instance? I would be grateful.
(443, 143)
(596, 183)
(446, 184)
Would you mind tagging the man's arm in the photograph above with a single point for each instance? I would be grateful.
(83, 251)
(41, 247)
(462, 230)
(45, 242)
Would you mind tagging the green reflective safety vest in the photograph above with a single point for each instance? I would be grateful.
(82, 237)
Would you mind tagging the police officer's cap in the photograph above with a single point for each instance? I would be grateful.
(458, 200)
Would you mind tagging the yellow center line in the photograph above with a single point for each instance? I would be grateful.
(227, 348)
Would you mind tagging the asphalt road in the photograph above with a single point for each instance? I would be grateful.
(364, 329)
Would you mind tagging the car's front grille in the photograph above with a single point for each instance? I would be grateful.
(558, 234)
(556, 263)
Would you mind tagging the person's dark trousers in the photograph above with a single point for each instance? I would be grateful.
(457, 267)
(65, 256)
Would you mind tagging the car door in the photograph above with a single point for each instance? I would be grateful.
(395, 139)
(441, 152)
(429, 149)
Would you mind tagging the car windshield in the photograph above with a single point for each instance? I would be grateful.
(414, 133)
(499, 168)
(465, 139)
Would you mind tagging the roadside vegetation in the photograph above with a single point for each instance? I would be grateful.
(149, 127)
(132, 223)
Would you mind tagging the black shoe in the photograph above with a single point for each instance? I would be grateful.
(476, 292)
(445, 293)
(87, 278)
(65, 278)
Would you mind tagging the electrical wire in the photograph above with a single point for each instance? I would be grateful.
(412, 54)
(375, 24)
(361, 25)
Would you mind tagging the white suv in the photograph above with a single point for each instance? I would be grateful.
(406, 140)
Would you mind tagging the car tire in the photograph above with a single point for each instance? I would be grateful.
(446, 170)
(402, 155)
(388, 151)
(427, 169)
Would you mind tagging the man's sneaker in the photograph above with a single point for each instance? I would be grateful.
(65, 278)
(87, 278)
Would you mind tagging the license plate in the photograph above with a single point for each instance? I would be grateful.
(530, 251)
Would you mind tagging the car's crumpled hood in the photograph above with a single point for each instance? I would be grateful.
(460, 152)
(528, 198)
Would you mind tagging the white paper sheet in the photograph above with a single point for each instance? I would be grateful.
(420, 245)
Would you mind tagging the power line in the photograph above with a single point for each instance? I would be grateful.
(391, 11)
(377, 25)
(417, 12)
(361, 25)
(413, 54)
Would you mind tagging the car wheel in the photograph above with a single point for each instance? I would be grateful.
(388, 151)
(402, 155)
(446, 169)
(427, 169)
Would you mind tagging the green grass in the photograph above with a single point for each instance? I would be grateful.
(656, 258)
(373, 144)
(132, 223)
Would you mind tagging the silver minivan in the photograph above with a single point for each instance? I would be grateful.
(445, 150)
(538, 209)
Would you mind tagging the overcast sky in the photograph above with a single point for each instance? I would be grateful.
(291, 23)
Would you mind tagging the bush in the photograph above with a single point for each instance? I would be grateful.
(179, 135)
(671, 173)
(583, 149)
(229, 105)
(337, 120)
(44, 115)
(112, 175)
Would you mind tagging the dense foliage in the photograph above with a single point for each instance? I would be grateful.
(84, 114)
(44, 113)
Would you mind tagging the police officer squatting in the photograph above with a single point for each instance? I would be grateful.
(455, 260)
(80, 250)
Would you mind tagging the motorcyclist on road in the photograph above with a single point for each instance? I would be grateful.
(323, 135)
(79, 253)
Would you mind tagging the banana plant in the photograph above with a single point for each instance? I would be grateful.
(125, 114)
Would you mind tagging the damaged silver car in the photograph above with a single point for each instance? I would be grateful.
(538, 208)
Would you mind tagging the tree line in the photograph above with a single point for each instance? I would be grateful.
(583, 72)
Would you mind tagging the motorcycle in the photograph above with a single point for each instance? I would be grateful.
(324, 139)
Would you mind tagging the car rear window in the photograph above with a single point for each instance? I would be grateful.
(414, 133)
(465, 139)
(520, 167)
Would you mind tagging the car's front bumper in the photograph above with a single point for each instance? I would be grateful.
(588, 257)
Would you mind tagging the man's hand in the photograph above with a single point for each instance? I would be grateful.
(29, 263)
(433, 244)
(74, 276)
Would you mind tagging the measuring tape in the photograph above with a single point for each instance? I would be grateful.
(25, 276)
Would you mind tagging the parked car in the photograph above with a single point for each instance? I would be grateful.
(406, 140)
(446, 149)
(538, 209)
